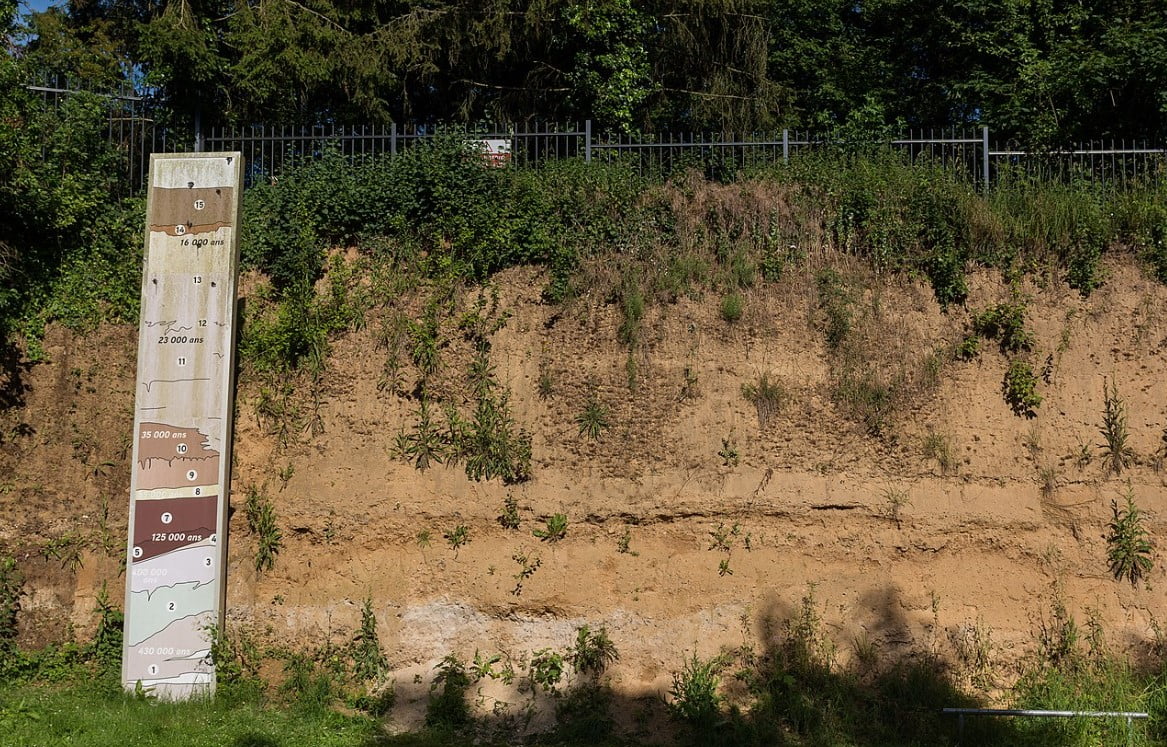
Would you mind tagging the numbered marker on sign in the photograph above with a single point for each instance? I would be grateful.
(181, 360)
(180, 229)
(167, 517)
(153, 669)
(199, 204)
(207, 562)
(181, 448)
(191, 474)
(137, 552)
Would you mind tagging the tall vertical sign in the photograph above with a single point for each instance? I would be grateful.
(175, 588)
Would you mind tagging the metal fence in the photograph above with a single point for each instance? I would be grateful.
(136, 131)
(132, 126)
(970, 153)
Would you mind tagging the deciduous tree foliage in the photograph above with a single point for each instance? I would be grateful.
(1043, 72)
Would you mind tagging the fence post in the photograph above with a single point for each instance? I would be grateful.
(588, 141)
(985, 157)
(392, 138)
(785, 146)
(198, 123)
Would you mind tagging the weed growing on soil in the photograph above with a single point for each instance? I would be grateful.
(1019, 388)
(528, 564)
(1129, 550)
(723, 568)
(1047, 477)
(426, 343)
(546, 385)
(895, 501)
(365, 650)
(457, 538)
(509, 518)
(546, 669)
(694, 696)
(554, 530)
(261, 521)
(423, 445)
(937, 446)
(1005, 323)
(624, 542)
(728, 453)
(766, 396)
(11, 582)
(688, 385)
(1117, 454)
(593, 651)
(731, 307)
(67, 549)
(447, 707)
(836, 302)
(593, 421)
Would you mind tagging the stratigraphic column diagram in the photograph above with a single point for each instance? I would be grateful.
(182, 424)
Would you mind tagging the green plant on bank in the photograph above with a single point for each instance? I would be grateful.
(261, 522)
(895, 501)
(491, 443)
(553, 530)
(731, 307)
(593, 651)
(457, 538)
(728, 453)
(1019, 388)
(447, 707)
(767, 396)
(369, 664)
(11, 584)
(509, 518)
(423, 445)
(1128, 545)
(424, 336)
(723, 568)
(1005, 323)
(836, 302)
(938, 447)
(722, 538)
(624, 542)
(593, 421)
(528, 563)
(67, 548)
(1117, 454)
(423, 538)
(546, 669)
(694, 696)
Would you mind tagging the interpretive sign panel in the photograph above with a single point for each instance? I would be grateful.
(182, 424)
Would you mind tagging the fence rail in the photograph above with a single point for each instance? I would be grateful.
(135, 131)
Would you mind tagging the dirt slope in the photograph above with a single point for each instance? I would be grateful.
(996, 509)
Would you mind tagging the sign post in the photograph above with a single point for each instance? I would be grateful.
(177, 549)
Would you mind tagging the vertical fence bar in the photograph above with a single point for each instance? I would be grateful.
(588, 141)
(985, 158)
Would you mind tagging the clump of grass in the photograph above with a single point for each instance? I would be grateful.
(1117, 454)
(732, 305)
(593, 421)
(895, 501)
(938, 446)
(457, 538)
(767, 397)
